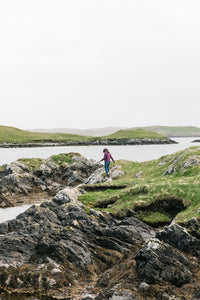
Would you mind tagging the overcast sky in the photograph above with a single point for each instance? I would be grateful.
(98, 63)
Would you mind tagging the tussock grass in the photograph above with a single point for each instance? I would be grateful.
(153, 187)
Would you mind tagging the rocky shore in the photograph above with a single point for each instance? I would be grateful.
(22, 180)
(144, 141)
(61, 250)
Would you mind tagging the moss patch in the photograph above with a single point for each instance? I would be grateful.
(63, 158)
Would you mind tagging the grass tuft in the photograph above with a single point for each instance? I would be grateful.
(154, 197)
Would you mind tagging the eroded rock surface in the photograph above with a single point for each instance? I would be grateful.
(61, 250)
(158, 262)
(33, 176)
(57, 244)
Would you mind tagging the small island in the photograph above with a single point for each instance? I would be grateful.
(11, 137)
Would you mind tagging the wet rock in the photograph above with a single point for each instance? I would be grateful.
(158, 262)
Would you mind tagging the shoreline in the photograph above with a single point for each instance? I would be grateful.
(107, 142)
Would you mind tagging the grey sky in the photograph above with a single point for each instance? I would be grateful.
(98, 63)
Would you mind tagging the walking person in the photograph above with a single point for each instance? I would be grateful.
(107, 157)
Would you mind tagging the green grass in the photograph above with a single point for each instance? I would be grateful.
(154, 197)
(134, 134)
(15, 135)
(32, 163)
(174, 131)
(35, 163)
(63, 158)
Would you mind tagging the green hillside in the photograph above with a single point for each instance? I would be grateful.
(135, 134)
(15, 135)
(165, 189)
(174, 131)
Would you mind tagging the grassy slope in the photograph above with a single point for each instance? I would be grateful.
(14, 135)
(134, 134)
(153, 186)
(173, 131)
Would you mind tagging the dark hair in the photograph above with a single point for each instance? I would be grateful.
(106, 150)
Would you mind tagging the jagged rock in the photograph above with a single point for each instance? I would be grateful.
(179, 237)
(88, 297)
(96, 177)
(58, 244)
(145, 231)
(170, 170)
(158, 262)
(142, 141)
(20, 178)
(144, 286)
(99, 175)
(138, 175)
(191, 161)
(123, 295)
(68, 195)
(81, 169)
(116, 172)
(193, 225)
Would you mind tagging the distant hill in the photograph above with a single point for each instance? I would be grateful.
(174, 131)
(88, 132)
(134, 134)
(15, 135)
(169, 131)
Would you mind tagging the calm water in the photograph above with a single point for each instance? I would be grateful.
(12, 212)
(134, 153)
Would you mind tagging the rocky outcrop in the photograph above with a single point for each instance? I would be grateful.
(61, 251)
(142, 141)
(24, 177)
(196, 141)
(58, 245)
(180, 238)
(158, 262)
(99, 175)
